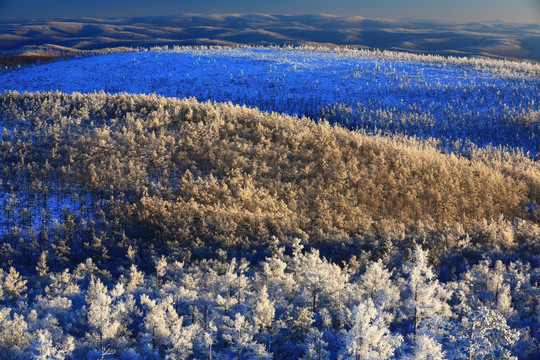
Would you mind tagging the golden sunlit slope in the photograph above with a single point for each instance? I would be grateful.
(179, 170)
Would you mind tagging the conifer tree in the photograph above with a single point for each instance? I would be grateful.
(45, 346)
(14, 284)
(376, 284)
(103, 324)
(425, 303)
(369, 336)
(239, 333)
(483, 333)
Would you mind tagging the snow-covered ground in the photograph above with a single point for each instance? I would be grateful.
(486, 101)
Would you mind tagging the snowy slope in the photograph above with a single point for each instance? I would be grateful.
(485, 101)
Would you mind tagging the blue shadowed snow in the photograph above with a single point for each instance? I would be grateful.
(443, 99)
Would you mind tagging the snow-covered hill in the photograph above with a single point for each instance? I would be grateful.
(486, 101)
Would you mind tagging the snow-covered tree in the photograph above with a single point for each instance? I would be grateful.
(103, 322)
(13, 334)
(279, 281)
(181, 340)
(161, 266)
(264, 311)
(425, 347)
(62, 284)
(233, 284)
(369, 336)
(41, 266)
(300, 323)
(135, 279)
(14, 284)
(483, 284)
(207, 342)
(319, 280)
(46, 346)
(316, 347)
(425, 300)
(377, 285)
(239, 333)
(483, 334)
(159, 321)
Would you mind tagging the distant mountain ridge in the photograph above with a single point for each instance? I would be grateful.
(60, 37)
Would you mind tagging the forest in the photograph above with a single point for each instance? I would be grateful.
(151, 227)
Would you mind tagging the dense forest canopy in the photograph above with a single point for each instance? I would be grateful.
(178, 170)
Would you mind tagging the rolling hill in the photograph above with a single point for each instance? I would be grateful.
(60, 37)
(455, 100)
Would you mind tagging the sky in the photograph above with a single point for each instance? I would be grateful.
(522, 11)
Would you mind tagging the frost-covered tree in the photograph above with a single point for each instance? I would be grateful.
(276, 277)
(483, 334)
(14, 284)
(161, 266)
(484, 284)
(135, 278)
(425, 347)
(263, 311)
(319, 280)
(425, 300)
(159, 321)
(239, 333)
(46, 346)
(316, 347)
(233, 284)
(181, 340)
(504, 301)
(300, 322)
(369, 336)
(62, 284)
(376, 284)
(103, 321)
(207, 342)
(41, 266)
(13, 334)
